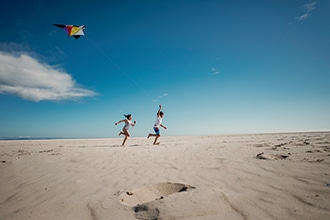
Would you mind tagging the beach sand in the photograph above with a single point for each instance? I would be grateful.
(257, 176)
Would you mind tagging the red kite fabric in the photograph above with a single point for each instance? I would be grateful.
(72, 30)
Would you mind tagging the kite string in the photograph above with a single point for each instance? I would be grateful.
(118, 67)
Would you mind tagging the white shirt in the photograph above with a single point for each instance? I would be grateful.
(158, 122)
(127, 124)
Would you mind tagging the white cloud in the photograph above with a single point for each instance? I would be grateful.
(215, 71)
(160, 97)
(302, 17)
(26, 77)
(164, 95)
(308, 7)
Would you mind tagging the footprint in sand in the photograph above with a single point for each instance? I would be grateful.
(149, 193)
(139, 197)
(264, 156)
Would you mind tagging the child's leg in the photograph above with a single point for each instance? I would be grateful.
(124, 141)
(127, 134)
(157, 136)
(152, 135)
(156, 132)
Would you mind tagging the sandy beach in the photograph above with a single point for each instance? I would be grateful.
(257, 176)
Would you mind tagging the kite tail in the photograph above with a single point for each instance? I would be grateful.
(119, 68)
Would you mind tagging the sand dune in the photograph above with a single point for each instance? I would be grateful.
(259, 176)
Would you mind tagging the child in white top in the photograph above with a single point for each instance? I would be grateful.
(158, 124)
(126, 127)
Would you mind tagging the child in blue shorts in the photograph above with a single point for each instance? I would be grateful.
(158, 124)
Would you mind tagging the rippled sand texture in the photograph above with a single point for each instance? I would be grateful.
(260, 176)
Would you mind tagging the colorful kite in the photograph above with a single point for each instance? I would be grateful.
(72, 30)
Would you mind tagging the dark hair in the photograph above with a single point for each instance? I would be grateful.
(161, 113)
(127, 116)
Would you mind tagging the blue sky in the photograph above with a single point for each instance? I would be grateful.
(217, 67)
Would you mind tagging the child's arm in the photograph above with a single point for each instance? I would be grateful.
(160, 108)
(119, 122)
(163, 126)
(133, 124)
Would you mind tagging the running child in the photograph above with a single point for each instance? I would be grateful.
(158, 124)
(125, 131)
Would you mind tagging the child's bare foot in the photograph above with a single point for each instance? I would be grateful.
(149, 135)
(157, 143)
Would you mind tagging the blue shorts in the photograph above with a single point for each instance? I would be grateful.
(157, 131)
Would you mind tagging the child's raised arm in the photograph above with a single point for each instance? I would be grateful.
(160, 108)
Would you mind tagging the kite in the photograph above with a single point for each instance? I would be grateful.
(72, 30)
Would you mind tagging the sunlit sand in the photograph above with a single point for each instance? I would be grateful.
(257, 176)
